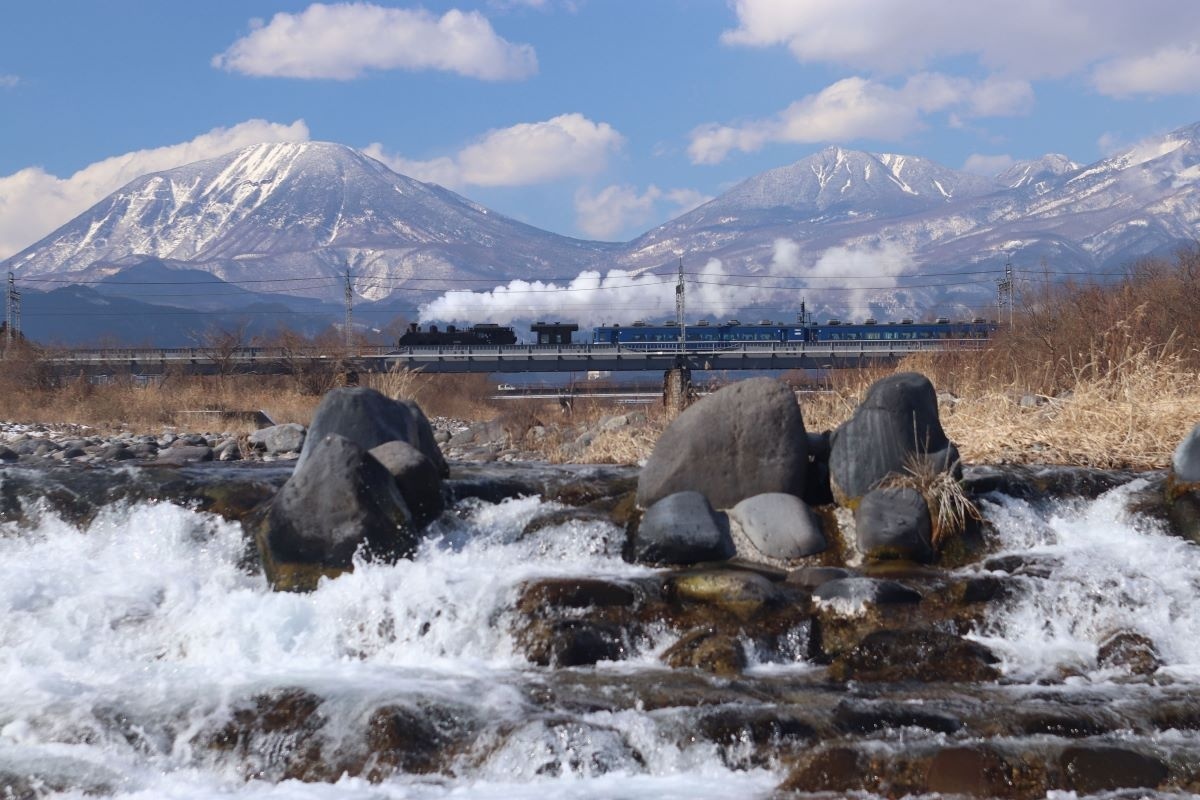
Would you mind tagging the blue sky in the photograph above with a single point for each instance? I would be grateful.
(591, 118)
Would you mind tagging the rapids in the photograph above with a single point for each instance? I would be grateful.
(129, 644)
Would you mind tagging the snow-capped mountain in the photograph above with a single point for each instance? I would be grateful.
(311, 211)
(1051, 211)
(307, 210)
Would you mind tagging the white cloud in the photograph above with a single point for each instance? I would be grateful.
(344, 40)
(33, 202)
(613, 209)
(521, 155)
(8, 81)
(1171, 70)
(989, 166)
(856, 108)
(617, 209)
(1024, 38)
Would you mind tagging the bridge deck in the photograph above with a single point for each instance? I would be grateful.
(511, 358)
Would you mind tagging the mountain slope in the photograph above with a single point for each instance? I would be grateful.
(295, 211)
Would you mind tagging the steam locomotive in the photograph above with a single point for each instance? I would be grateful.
(642, 334)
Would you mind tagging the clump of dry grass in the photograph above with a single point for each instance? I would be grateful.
(948, 503)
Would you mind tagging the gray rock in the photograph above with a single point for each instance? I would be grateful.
(1186, 461)
(778, 527)
(462, 438)
(441, 437)
(228, 450)
(339, 499)
(681, 528)
(369, 418)
(896, 420)
(185, 454)
(286, 438)
(746, 439)
(117, 452)
(894, 523)
(7, 454)
(416, 477)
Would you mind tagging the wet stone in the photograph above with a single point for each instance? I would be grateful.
(574, 643)
(971, 771)
(743, 594)
(866, 716)
(916, 655)
(707, 650)
(867, 590)
(839, 769)
(1098, 768)
(1129, 651)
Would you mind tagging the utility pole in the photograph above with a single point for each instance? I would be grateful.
(12, 312)
(348, 328)
(1004, 292)
(679, 307)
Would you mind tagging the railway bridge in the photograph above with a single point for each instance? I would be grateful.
(502, 358)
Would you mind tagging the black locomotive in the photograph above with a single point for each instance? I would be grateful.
(485, 333)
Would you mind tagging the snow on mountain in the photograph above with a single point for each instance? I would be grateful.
(291, 211)
(302, 210)
(1038, 172)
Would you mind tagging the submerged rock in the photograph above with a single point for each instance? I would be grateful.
(339, 500)
(916, 655)
(745, 439)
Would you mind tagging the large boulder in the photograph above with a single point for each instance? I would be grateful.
(896, 421)
(369, 418)
(682, 528)
(338, 501)
(746, 439)
(777, 527)
(894, 523)
(417, 478)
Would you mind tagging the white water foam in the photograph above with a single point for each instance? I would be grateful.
(123, 641)
(1111, 572)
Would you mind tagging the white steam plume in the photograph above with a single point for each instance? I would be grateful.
(622, 296)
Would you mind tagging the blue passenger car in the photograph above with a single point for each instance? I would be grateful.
(641, 335)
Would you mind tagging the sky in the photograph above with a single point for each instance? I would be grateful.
(591, 118)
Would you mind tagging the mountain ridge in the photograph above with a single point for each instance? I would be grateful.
(306, 213)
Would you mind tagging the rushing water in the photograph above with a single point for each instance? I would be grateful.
(126, 643)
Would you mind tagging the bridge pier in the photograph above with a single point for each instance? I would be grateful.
(678, 392)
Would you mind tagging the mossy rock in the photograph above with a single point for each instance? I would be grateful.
(743, 594)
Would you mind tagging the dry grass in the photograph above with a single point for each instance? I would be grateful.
(948, 503)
